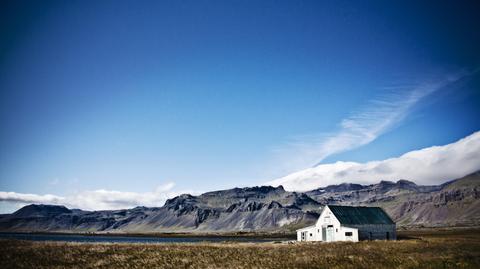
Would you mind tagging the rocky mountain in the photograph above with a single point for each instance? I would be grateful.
(456, 203)
(241, 209)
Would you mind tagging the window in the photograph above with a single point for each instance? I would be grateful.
(348, 233)
(311, 234)
(336, 230)
(318, 230)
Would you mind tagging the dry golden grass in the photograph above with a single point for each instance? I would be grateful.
(438, 249)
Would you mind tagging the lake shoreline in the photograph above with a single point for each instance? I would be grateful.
(134, 239)
(166, 235)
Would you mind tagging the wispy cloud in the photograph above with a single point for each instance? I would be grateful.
(433, 165)
(96, 199)
(362, 127)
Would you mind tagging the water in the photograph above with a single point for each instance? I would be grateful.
(130, 239)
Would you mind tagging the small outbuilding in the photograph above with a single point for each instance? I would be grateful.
(350, 223)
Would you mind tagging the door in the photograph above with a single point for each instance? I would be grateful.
(330, 233)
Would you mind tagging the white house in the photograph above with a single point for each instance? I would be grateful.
(350, 223)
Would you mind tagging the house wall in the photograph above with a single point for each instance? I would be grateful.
(311, 234)
(347, 234)
(327, 218)
(376, 232)
(336, 232)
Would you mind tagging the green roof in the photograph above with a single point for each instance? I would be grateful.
(360, 215)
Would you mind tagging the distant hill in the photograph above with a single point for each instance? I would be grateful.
(267, 209)
(455, 203)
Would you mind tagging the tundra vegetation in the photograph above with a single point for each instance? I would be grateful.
(458, 248)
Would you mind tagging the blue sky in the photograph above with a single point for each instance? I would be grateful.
(128, 96)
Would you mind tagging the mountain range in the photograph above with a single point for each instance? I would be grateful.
(264, 209)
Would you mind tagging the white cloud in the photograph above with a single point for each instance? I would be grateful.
(433, 165)
(14, 197)
(96, 199)
(361, 128)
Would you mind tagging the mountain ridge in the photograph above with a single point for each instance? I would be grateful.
(264, 209)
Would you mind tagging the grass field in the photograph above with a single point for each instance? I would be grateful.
(421, 249)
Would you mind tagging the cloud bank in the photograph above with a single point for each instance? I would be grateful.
(362, 127)
(428, 166)
(95, 200)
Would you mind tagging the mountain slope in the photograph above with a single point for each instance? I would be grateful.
(457, 203)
